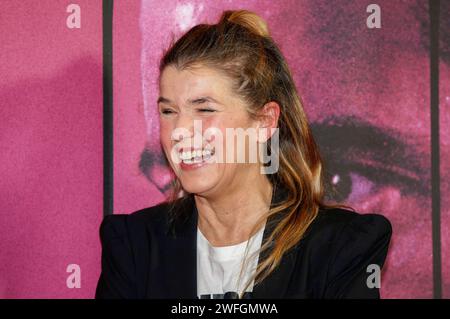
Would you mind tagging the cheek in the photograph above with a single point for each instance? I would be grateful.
(165, 132)
(220, 125)
(211, 127)
(228, 121)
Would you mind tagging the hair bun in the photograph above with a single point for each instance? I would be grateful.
(247, 19)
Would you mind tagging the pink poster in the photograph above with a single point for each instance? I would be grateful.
(366, 92)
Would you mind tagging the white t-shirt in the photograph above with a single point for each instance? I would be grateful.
(218, 268)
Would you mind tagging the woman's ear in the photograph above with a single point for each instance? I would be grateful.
(268, 121)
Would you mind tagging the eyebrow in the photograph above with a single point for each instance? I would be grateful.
(195, 101)
(381, 154)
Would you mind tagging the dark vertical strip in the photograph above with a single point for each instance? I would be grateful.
(108, 155)
(435, 160)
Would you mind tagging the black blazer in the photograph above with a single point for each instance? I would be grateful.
(142, 259)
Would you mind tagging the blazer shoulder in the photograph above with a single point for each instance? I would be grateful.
(155, 214)
(344, 244)
(336, 220)
(122, 225)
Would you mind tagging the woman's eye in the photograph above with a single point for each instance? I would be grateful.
(206, 110)
(166, 111)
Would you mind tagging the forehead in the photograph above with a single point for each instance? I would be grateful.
(182, 84)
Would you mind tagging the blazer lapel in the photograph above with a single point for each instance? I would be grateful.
(173, 260)
(276, 284)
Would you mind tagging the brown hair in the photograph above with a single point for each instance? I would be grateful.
(240, 47)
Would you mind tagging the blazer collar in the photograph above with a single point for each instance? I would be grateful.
(276, 284)
(173, 258)
(181, 267)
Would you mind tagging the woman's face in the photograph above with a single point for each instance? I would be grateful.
(205, 96)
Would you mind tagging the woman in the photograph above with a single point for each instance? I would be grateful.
(247, 217)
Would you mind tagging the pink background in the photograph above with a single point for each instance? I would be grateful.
(51, 148)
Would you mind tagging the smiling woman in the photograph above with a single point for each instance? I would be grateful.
(228, 230)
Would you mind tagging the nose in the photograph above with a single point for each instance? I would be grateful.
(188, 132)
(183, 128)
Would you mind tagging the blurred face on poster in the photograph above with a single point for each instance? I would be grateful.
(366, 93)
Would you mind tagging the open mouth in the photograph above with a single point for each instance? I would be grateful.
(196, 156)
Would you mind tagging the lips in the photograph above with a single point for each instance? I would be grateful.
(195, 156)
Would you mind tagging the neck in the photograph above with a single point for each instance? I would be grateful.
(230, 218)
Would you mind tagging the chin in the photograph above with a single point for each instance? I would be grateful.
(197, 185)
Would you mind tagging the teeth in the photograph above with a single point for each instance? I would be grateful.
(185, 155)
(195, 156)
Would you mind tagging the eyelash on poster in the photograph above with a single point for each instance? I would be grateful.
(384, 177)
